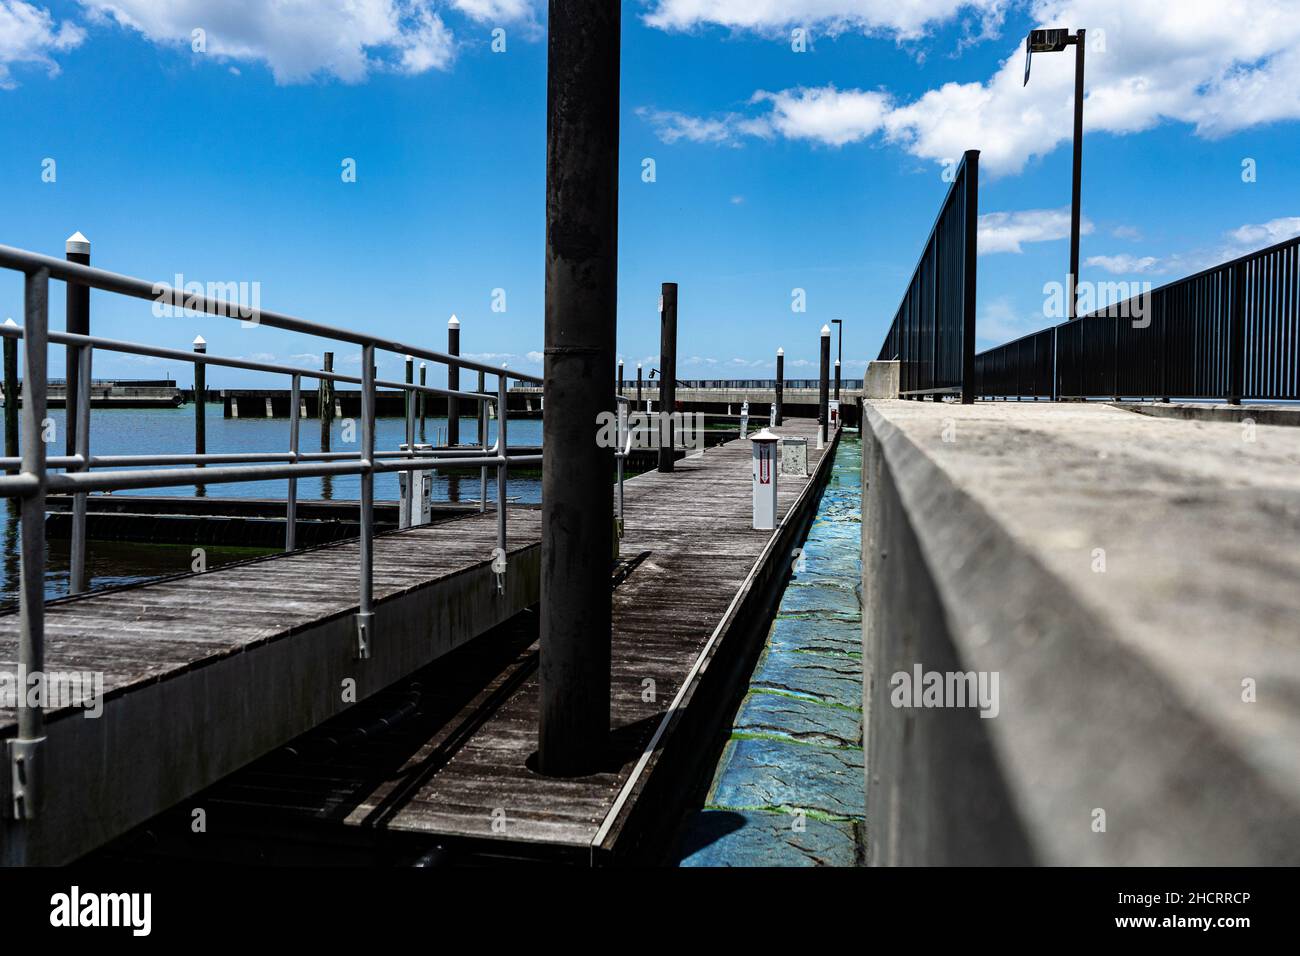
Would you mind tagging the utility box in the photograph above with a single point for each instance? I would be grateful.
(422, 512)
(765, 480)
(833, 413)
(794, 457)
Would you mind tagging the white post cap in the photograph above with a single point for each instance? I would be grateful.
(410, 358)
(764, 435)
(77, 243)
(826, 330)
(199, 342)
(780, 351)
(10, 321)
(453, 323)
(837, 363)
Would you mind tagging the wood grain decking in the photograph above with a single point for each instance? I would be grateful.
(450, 755)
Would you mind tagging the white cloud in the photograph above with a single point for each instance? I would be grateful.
(905, 19)
(1268, 233)
(1124, 264)
(1005, 231)
(1126, 232)
(345, 39)
(672, 127)
(28, 34)
(1219, 67)
(537, 358)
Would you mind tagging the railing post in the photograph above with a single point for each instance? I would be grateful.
(581, 322)
(780, 385)
(77, 249)
(11, 397)
(453, 382)
(503, 414)
(969, 271)
(667, 374)
(23, 764)
(200, 408)
(407, 519)
(483, 443)
(365, 615)
(79, 581)
(1237, 336)
(291, 498)
(823, 387)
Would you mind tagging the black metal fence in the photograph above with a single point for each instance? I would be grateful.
(1229, 332)
(933, 332)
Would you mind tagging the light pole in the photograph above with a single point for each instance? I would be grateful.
(1053, 41)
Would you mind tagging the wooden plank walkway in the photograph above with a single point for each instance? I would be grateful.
(450, 755)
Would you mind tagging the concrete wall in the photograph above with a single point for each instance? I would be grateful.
(1131, 581)
(882, 380)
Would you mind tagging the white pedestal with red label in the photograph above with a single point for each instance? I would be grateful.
(766, 469)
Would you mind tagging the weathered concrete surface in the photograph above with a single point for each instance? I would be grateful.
(1125, 690)
(788, 788)
(881, 380)
(1216, 412)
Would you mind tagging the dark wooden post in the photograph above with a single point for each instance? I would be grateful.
(422, 398)
(11, 398)
(201, 408)
(638, 384)
(582, 115)
(453, 381)
(667, 374)
(780, 385)
(77, 250)
(325, 403)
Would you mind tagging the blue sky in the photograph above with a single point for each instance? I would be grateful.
(775, 170)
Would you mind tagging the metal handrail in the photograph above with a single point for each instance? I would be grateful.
(84, 472)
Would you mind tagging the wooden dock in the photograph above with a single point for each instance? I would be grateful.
(443, 762)
(207, 673)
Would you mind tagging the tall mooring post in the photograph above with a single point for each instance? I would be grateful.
(582, 105)
(667, 374)
(78, 320)
(11, 398)
(620, 377)
(201, 407)
(423, 398)
(325, 403)
(837, 380)
(453, 382)
(780, 385)
(823, 396)
(638, 384)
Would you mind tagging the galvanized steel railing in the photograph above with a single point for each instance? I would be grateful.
(83, 472)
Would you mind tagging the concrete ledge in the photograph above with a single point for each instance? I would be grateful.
(1120, 690)
(1216, 412)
